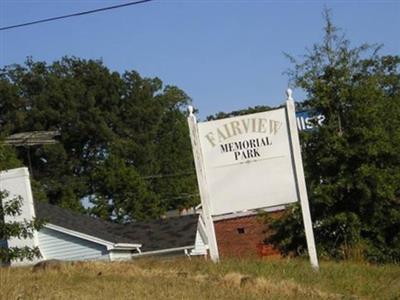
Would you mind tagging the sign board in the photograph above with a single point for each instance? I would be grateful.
(248, 162)
(306, 120)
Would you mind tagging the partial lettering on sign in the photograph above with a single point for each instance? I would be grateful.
(306, 121)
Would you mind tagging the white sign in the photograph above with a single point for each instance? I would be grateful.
(248, 162)
(306, 120)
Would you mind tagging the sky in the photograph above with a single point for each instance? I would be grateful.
(226, 55)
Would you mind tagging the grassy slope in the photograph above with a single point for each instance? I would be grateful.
(197, 279)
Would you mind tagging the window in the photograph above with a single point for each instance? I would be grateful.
(240, 230)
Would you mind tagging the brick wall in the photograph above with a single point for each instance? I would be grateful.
(244, 236)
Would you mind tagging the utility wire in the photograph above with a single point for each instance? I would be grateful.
(75, 14)
(181, 196)
(169, 175)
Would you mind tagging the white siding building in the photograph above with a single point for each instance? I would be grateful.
(68, 235)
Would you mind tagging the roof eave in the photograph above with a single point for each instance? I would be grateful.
(163, 251)
(108, 244)
(126, 246)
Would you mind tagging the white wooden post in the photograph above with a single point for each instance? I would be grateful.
(202, 182)
(299, 174)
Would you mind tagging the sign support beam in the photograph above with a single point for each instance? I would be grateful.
(202, 182)
(301, 183)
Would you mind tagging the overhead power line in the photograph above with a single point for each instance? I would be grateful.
(169, 175)
(75, 14)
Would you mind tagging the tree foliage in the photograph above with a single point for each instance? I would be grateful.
(117, 131)
(241, 112)
(8, 157)
(352, 161)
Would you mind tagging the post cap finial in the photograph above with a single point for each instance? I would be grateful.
(289, 93)
(190, 110)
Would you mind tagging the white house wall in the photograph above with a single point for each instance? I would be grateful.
(16, 183)
(200, 247)
(57, 245)
(120, 255)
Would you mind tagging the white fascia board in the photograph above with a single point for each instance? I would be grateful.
(14, 173)
(248, 213)
(126, 246)
(163, 251)
(202, 230)
(109, 245)
(81, 235)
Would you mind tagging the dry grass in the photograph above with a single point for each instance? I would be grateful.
(198, 279)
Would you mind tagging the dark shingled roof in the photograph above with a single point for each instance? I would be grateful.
(81, 223)
(162, 234)
(153, 235)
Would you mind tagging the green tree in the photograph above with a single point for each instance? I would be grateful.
(121, 195)
(178, 186)
(352, 161)
(102, 117)
(241, 112)
(8, 157)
